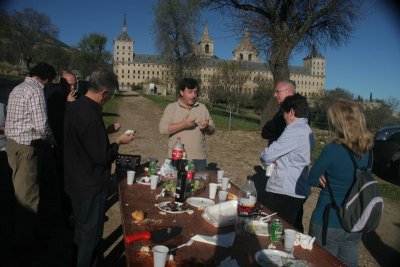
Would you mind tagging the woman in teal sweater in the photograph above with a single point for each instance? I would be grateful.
(334, 164)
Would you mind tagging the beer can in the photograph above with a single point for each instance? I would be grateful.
(276, 231)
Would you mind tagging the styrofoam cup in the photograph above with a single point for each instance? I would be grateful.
(220, 174)
(289, 238)
(131, 177)
(212, 190)
(222, 195)
(153, 181)
(225, 182)
(160, 255)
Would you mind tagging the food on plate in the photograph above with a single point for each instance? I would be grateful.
(174, 207)
(170, 185)
(138, 215)
(231, 196)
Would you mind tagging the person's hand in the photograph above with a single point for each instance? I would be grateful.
(322, 181)
(189, 122)
(116, 126)
(203, 124)
(125, 138)
(71, 96)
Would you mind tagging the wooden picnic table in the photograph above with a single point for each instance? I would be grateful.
(141, 197)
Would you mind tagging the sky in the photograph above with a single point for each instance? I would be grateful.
(368, 63)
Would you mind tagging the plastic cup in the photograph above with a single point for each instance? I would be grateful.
(220, 174)
(131, 177)
(153, 181)
(222, 195)
(160, 255)
(212, 190)
(225, 182)
(269, 168)
(289, 238)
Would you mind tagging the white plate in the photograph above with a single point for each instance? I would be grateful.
(144, 180)
(164, 207)
(270, 257)
(200, 202)
(257, 228)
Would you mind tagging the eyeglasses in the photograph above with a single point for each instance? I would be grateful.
(279, 91)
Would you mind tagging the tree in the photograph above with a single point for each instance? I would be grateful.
(175, 26)
(320, 106)
(278, 27)
(229, 80)
(91, 54)
(31, 32)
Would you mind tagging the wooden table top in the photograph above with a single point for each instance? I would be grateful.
(141, 197)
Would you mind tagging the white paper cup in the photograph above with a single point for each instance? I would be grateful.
(225, 182)
(289, 238)
(222, 195)
(131, 177)
(220, 174)
(153, 181)
(269, 169)
(212, 190)
(160, 255)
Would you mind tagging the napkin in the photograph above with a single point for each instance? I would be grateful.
(222, 240)
(228, 262)
(305, 241)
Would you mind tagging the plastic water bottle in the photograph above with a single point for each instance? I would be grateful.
(247, 204)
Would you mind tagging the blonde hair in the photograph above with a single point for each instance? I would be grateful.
(348, 122)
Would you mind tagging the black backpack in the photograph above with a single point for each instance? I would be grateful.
(362, 207)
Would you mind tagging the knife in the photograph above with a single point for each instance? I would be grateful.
(157, 236)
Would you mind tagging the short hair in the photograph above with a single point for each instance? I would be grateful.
(67, 72)
(44, 71)
(347, 120)
(298, 104)
(188, 83)
(290, 83)
(101, 79)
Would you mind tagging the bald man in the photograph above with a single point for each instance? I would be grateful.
(68, 83)
(273, 129)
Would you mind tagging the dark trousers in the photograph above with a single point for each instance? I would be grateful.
(287, 207)
(89, 224)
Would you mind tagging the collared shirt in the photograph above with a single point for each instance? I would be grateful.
(193, 138)
(292, 155)
(26, 113)
(87, 152)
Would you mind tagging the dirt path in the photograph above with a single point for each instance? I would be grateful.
(238, 154)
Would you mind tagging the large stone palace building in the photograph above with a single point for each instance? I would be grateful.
(142, 69)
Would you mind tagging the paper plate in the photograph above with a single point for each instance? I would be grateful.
(257, 228)
(200, 202)
(270, 257)
(180, 207)
(144, 180)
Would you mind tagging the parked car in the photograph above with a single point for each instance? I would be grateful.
(387, 149)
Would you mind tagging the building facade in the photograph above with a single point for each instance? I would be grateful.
(144, 69)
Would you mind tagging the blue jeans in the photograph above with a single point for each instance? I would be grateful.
(339, 243)
(89, 224)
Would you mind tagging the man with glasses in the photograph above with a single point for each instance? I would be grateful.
(189, 120)
(88, 155)
(275, 127)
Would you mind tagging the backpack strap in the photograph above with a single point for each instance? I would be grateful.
(325, 219)
(355, 162)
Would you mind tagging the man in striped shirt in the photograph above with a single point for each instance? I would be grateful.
(27, 130)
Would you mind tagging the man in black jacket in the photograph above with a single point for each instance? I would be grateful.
(88, 155)
(275, 127)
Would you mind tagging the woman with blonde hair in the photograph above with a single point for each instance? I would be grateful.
(334, 165)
